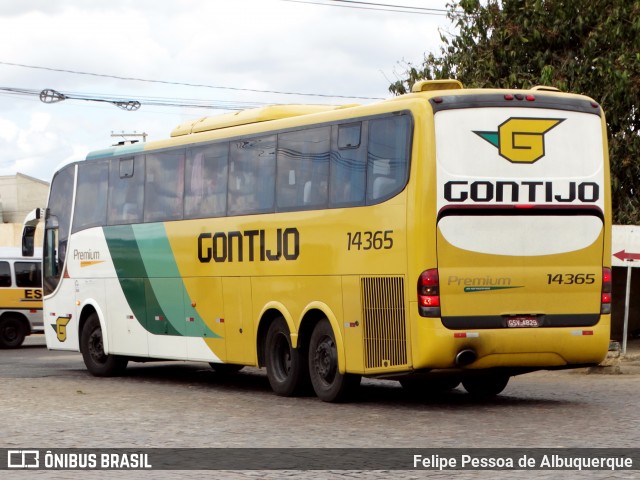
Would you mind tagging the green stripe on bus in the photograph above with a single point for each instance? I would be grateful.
(115, 151)
(150, 280)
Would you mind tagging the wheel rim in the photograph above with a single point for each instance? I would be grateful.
(281, 358)
(10, 333)
(325, 360)
(96, 349)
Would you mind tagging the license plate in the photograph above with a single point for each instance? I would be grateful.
(525, 321)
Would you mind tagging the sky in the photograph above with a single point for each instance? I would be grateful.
(171, 55)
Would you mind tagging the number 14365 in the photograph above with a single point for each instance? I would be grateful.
(571, 278)
(380, 240)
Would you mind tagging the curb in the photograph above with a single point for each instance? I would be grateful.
(617, 364)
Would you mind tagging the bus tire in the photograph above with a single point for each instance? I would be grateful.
(287, 368)
(485, 386)
(12, 332)
(97, 362)
(329, 384)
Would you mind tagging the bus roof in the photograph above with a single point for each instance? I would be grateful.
(15, 253)
(424, 90)
(117, 150)
(253, 115)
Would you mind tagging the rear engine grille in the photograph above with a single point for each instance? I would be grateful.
(383, 319)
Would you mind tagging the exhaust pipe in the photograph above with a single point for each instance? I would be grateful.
(466, 357)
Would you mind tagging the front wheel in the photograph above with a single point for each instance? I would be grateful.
(286, 366)
(329, 384)
(97, 362)
(12, 332)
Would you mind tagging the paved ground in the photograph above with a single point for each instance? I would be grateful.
(50, 401)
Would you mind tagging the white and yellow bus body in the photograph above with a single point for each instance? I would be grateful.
(20, 297)
(476, 245)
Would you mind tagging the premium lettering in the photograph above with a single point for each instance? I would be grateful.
(86, 255)
(478, 281)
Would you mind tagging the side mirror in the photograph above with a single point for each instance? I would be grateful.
(29, 232)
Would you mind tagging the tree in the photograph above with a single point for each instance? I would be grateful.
(582, 46)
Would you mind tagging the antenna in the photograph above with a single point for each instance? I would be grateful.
(125, 136)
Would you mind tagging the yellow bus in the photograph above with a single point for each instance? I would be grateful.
(445, 236)
(20, 297)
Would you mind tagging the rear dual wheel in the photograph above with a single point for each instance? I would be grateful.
(292, 370)
(329, 384)
(287, 368)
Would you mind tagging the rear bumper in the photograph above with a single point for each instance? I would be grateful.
(435, 346)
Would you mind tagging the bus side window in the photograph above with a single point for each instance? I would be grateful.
(164, 186)
(348, 160)
(303, 168)
(252, 169)
(126, 190)
(56, 227)
(5, 274)
(388, 154)
(91, 196)
(206, 181)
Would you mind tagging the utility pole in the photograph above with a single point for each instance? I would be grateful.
(127, 135)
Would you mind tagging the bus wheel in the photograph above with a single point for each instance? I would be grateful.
(286, 366)
(484, 386)
(329, 384)
(97, 362)
(12, 332)
(226, 368)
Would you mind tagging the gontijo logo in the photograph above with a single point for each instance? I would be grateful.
(521, 140)
(60, 328)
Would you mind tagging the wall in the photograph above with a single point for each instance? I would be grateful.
(19, 195)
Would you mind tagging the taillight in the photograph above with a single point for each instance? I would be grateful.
(429, 293)
(605, 297)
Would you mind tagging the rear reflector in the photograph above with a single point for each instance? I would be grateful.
(605, 297)
(580, 333)
(466, 335)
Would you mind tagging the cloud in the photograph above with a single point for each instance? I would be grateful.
(249, 44)
(27, 150)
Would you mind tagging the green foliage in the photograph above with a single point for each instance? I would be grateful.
(582, 46)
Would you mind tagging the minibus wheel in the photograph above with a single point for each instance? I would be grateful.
(12, 332)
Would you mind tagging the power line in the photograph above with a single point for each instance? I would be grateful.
(378, 7)
(440, 10)
(167, 82)
(53, 96)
